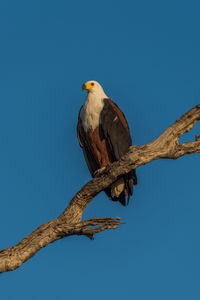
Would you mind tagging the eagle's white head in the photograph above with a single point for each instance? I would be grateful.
(91, 110)
(94, 88)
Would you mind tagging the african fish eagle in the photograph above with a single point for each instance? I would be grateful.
(104, 136)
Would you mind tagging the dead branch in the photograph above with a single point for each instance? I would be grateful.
(70, 221)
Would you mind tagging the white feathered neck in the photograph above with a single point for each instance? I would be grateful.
(90, 112)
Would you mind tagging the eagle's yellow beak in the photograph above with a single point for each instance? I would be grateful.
(88, 86)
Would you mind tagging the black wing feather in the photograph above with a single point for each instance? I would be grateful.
(117, 135)
(118, 141)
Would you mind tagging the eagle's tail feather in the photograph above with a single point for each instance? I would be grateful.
(122, 189)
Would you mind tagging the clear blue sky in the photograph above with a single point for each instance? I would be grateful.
(146, 56)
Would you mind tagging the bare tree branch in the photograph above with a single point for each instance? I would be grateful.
(70, 221)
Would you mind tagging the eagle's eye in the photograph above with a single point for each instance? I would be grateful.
(92, 83)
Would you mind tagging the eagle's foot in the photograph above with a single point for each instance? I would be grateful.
(98, 172)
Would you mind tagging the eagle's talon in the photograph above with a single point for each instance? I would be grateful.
(98, 172)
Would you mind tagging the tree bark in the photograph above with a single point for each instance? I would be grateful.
(70, 221)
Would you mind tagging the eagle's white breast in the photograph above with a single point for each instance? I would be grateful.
(91, 110)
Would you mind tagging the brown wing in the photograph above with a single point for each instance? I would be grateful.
(115, 129)
(119, 113)
(91, 162)
(117, 133)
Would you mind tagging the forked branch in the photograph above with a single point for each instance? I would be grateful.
(70, 221)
